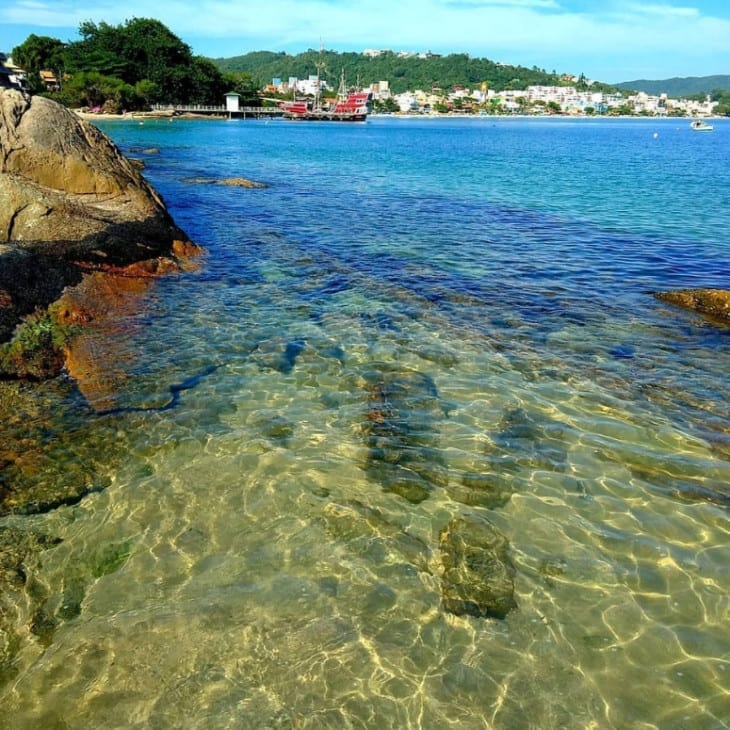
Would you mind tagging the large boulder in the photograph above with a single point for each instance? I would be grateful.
(67, 189)
(71, 202)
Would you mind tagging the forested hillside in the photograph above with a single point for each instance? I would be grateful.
(679, 87)
(402, 73)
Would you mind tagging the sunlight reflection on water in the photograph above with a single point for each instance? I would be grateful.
(244, 568)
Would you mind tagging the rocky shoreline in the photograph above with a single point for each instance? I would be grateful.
(82, 236)
(73, 205)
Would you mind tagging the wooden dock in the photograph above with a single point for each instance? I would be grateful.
(246, 112)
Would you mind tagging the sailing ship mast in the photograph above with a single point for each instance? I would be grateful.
(320, 65)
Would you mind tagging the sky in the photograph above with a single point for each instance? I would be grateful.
(607, 40)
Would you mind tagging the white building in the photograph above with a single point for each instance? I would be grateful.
(11, 76)
(232, 101)
(380, 90)
(407, 102)
(311, 86)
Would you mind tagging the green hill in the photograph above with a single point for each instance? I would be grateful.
(402, 73)
(678, 87)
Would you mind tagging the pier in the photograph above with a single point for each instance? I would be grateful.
(252, 112)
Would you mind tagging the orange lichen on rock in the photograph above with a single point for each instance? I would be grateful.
(186, 249)
(96, 357)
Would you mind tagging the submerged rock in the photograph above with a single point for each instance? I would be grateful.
(401, 432)
(482, 489)
(712, 302)
(235, 182)
(16, 548)
(367, 528)
(46, 459)
(528, 440)
(478, 575)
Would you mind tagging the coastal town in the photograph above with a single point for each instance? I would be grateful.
(574, 97)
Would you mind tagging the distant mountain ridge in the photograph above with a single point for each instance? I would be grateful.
(678, 87)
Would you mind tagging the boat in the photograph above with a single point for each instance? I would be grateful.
(698, 125)
(349, 106)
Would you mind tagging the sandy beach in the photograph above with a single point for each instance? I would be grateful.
(126, 116)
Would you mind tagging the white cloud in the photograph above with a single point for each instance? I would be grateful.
(662, 11)
(538, 4)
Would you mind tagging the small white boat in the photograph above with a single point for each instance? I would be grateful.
(700, 126)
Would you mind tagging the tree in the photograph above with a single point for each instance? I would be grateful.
(243, 84)
(207, 85)
(144, 49)
(403, 72)
(623, 110)
(40, 53)
(385, 106)
(146, 90)
(99, 50)
(722, 97)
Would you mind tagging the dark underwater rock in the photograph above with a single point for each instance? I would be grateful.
(52, 454)
(528, 440)
(364, 527)
(51, 609)
(279, 354)
(478, 575)
(401, 430)
(712, 302)
(16, 547)
(488, 489)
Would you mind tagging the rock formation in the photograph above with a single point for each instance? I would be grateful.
(712, 302)
(71, 202)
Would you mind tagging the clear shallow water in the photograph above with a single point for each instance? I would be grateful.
(244, 568)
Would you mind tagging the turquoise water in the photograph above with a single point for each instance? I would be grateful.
(249, 562)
